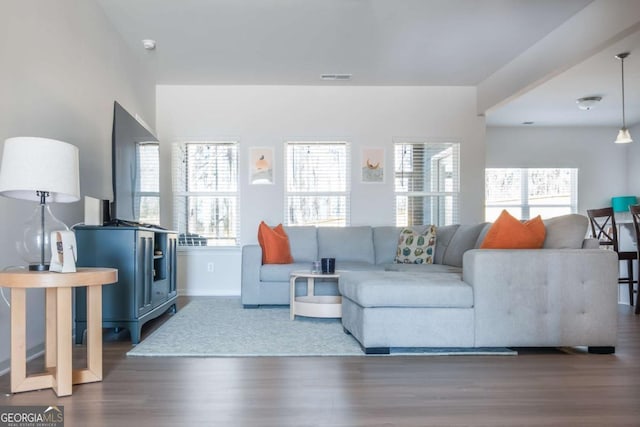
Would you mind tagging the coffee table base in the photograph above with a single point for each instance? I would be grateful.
(311, 305)
(318, 306)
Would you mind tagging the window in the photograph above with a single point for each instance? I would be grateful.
(205, 191)
(427, 183)
(526, 193)
(148, 191)
(317, 183)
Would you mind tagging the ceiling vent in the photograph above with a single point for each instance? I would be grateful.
(336, 76)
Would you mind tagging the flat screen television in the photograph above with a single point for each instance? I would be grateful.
(135, 171)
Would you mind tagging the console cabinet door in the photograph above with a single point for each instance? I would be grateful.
(144, 271)
(172, 249)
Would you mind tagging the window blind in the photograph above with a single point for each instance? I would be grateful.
(427, 183)
(317, 183)
(147, 200)
(528, 192)
(205, 191)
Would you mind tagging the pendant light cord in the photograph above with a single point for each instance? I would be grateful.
(624, 124)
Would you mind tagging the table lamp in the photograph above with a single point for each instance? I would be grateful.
(42, 170)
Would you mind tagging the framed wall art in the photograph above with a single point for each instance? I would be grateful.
(372, 165)
(261, 165)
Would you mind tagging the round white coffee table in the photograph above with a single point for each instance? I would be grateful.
(312, 305)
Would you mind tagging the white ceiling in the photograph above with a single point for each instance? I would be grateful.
(388, 42)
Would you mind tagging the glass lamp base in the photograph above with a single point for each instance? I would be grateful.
(35, 247)
(38, 267)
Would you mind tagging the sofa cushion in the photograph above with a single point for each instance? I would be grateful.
(465, 238)
(385, 243)
(394, 289)
(303, 242)
(416, 247)
(346, 243)
(423, 268)
(281, 272)
(342, 266)
(566, 231)
(275, 244)
(510, 233)
(482, 235)
(445, 234)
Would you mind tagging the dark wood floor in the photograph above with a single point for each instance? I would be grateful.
(536, 388)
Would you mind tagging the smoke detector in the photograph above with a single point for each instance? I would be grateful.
(149, 44)
(588, 102)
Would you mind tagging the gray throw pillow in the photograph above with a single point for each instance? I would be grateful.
(565, 232)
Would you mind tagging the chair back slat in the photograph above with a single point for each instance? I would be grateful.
(603, 226)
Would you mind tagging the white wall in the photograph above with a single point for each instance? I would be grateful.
(63, 65)
(602, 165)
(633, 162)
(203, 272)
(364, 116)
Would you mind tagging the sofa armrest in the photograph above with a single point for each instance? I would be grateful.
(250, 275)
(543, 297)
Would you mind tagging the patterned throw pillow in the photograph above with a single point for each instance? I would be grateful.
(415, 247)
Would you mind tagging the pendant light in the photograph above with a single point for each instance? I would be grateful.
(624, 136)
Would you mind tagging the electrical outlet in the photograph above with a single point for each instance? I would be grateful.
(210, 267)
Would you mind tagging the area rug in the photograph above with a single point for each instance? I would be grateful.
(220, 327)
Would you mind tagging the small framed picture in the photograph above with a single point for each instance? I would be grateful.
(261, 165)
(372, 165)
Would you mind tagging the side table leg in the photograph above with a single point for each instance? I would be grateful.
(18, 339)
(94, 331)
(51, 302)
(311, 286)
(63, 371)
(292, 297)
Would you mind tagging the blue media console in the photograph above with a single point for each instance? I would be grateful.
(146, 259)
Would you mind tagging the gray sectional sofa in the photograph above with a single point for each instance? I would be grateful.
(562, 295)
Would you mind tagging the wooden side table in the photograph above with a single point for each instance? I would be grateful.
(59, 373)
(313, 305)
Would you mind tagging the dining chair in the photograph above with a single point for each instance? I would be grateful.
(635, 215)
(604, 228)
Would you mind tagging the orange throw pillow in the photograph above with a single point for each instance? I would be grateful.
(510, 233)
(275, 244)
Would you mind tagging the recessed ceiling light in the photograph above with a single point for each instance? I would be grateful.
(588, 102)
(528, 123)
(336, 76)
(149, 44)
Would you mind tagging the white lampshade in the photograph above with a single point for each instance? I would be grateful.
(31, 164)
(624, 137)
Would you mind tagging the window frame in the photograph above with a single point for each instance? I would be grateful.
(525, 206)
(438, 198)
(346, 193)
(139, 194)
(188, 238)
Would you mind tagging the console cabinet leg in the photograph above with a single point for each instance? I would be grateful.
(602, 350)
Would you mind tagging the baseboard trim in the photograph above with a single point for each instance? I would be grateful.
(204, 293)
